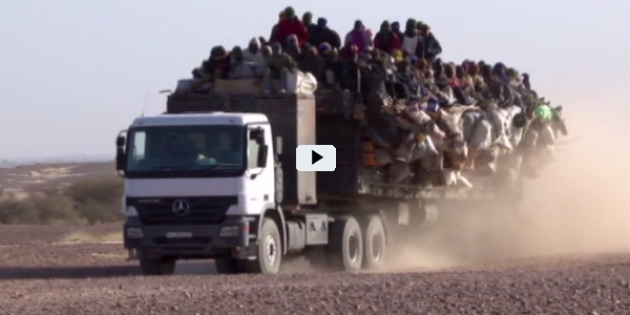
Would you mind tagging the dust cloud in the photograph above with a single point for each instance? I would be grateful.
(579, 205)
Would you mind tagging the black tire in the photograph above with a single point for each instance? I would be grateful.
(269, 258)
(225, 265)
(375, 243)
(157, 267)
(346, 244)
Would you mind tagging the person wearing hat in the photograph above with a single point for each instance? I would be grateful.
(291, 25)
(359, 37)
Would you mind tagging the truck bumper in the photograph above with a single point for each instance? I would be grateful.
(188, 241)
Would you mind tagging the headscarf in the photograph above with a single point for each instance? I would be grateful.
(324, 48)
(543, 113)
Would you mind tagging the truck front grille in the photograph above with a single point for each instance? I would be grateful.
(173, 210)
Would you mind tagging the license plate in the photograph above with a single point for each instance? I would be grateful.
(179, 235)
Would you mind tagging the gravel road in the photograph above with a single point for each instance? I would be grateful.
(39, 276)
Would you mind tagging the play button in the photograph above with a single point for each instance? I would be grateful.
(316, 158)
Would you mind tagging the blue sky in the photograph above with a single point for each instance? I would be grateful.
(74, 73)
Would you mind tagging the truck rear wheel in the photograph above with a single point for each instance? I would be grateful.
(157, 266)
(375, 241)
(269, 256)
(347, 244)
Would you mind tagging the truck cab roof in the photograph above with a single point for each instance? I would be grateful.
(201, 118)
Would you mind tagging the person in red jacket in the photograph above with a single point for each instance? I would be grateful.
(291, 25)
(386, 40)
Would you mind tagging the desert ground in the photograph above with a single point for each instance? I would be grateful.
(569, 253)
(83, 271)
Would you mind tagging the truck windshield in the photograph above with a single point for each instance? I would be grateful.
(186, 151)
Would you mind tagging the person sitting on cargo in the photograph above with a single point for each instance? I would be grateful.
(498, 84)
(252, 53)
(411, 41)
(438, 74)
(472, 70)
(334, 69)
(216, 67)
(321, 33)
(377, 62)
(462, 75)
(323, 49)
(386, 40)
(274, 29)
(293, 48)
(359, 37)
(307, 20)
(345, 53)
(425, 75)
(313, 63)
(352, 68)
(485, 77)
(526, 82)
(431, 47)
(291, 24)
(241, 69)
(405, 75)
(198, 73)
(451, 79)
(279, 63)
(469, 81)
(396, 30)
(218, 63)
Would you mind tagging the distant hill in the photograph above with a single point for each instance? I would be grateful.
(28, 178)
(70, 158)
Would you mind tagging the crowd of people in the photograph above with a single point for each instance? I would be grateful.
(409, 56)
(403, 65)
(315, 48)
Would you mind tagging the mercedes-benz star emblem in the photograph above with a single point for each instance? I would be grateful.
(181, 207)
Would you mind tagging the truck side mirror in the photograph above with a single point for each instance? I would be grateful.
(263, 154)
(121, 156)
(258, 135)
(120, 141)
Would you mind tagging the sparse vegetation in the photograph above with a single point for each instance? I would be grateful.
(86, 201)
(85, 237)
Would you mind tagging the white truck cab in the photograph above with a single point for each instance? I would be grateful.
(195, 186)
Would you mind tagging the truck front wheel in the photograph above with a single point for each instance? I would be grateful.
(347, 244)
(157, 266)
(269, 256)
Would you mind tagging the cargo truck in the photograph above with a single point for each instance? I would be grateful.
(215, 177)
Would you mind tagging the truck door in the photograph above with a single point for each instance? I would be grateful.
(260, 180)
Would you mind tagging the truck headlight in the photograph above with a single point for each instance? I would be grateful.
(230, 231)
(135, 232)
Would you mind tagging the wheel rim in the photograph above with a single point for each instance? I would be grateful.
(271, 249)
(353, 247)
(377, 246)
